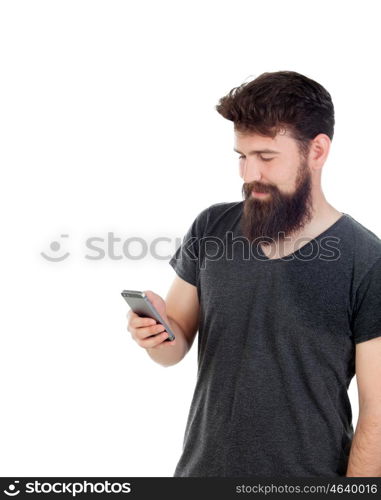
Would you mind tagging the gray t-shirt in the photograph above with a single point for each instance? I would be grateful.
(276, 347)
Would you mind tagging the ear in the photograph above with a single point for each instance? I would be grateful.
(319, 151)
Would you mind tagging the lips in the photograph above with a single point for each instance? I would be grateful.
(259, 191)
(251, 191)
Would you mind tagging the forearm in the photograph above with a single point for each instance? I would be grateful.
(365, 453)
(167, 355)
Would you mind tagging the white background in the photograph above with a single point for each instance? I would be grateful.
(108, 125)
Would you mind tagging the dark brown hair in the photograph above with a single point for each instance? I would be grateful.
(280, 100)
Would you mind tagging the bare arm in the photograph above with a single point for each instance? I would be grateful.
(365, 454)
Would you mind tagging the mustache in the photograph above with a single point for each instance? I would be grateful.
(248, 187)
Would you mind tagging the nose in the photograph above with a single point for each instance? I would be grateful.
(250, 171)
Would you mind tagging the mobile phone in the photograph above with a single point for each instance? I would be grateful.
(141, 305)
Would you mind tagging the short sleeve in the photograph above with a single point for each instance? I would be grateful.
(186, 261)
(366, 322)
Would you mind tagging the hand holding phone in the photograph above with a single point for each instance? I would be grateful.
(147, 309)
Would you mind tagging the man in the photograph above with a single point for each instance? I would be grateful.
(285, 293)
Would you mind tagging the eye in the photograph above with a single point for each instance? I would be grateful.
(265, 159)
(261, 157)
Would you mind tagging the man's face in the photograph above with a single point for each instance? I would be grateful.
(284, 179)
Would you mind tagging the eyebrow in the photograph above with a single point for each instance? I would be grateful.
(255, 151)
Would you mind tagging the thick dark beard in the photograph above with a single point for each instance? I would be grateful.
(277, 215)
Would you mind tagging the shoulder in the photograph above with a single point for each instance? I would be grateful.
(366, 244)
(218, 210)
(215, 216)
(224, 209)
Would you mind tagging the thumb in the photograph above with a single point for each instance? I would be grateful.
(156, 301)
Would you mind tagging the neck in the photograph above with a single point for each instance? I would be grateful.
(323, 216)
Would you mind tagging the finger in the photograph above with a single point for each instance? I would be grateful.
(149, 293)
(154, 341)
(143, 333)
(131, 314)
(139, 321)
